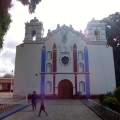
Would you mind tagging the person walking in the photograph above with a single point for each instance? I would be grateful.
(34, 100)
(42, 107)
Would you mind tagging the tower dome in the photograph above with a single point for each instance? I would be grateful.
(35, 20)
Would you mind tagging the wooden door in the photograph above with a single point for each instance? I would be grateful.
(65, 89)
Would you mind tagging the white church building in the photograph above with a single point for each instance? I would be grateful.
(64, 62)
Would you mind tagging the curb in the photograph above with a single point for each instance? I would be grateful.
(93, 111)
(13, 111)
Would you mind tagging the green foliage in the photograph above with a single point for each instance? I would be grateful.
(101, 97)
(113, 29)
(5, 18)
(112, 103)
(117, 93)
(113, 39)
(8, 75)
(4, 26)
(31, 4)
(110, 94)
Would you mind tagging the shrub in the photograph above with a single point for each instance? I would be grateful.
(101, 97)
(112, 103)
(117, 93)
(110, 94)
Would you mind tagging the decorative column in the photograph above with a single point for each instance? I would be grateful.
(86, 60)
(0, 86)
(75, 65)
(54, 62)
(43, 63)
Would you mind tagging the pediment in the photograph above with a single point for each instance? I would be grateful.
(64, 29)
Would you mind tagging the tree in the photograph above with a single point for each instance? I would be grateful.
(31, 4)
(8, 75)
(113, 39)
(5, 17)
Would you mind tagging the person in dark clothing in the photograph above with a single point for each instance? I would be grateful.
(34, 100)
(42, 107)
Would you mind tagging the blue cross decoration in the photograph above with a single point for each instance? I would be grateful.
(79, 93)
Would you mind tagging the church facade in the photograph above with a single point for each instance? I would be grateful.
(65, 62)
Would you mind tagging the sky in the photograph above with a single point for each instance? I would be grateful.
(51, 12)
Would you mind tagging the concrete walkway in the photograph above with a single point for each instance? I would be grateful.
(57, 110)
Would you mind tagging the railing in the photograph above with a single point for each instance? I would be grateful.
(105, 112)
(7, 104)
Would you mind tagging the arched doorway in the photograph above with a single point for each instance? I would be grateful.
(65, 89)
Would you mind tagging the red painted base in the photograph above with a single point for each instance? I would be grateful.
(75, 96)
(50, 96)
(6, 90)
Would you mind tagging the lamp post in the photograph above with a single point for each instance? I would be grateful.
(11, 81)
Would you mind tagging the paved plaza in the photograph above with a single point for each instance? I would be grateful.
(57, 110)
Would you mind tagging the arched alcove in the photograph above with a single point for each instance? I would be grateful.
(49, 67)
(82, 86)
(97, 35)
(33, 35)
(48, 87)
(80, 55)
(49, 55)
(80, 67)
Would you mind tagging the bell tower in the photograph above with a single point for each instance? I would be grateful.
(33, 30)
(95, 31)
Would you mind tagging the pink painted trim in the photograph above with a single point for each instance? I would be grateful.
(75, 84)
(54, 84)
(64, 73)
(33, 43)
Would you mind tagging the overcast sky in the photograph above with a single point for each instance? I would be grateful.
(51, 12)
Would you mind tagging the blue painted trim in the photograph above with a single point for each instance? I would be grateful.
(87, 86)
(86, 60)
(43, 67)
(64, 52)
(43, 59)
(86, 68)
(13, 111)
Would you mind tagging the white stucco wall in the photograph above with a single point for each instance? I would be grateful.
(101, 67)
(27, 65)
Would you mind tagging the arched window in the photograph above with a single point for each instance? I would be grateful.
(82, 86)
(80, 55)
(97, 35)
(80, 67)
(33, 35)
(49, 55)
(49, 67)
(48, 87)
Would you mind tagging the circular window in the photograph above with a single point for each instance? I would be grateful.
(65, 60)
